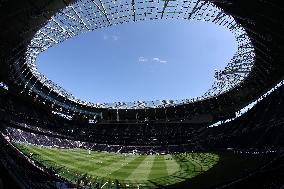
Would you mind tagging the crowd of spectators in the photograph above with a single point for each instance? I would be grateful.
(25, 137)
(26, 116)
(260, 128)
(25, 174)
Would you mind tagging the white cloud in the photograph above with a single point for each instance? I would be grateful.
(163, 61)
(158, 60)
(142, 59)
(155, 59)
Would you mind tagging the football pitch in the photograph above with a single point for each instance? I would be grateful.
(110, 170)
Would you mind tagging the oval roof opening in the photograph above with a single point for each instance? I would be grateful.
(149, 60)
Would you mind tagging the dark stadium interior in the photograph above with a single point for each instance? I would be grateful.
(250, 146)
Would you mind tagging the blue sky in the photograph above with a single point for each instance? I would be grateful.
(149, 60)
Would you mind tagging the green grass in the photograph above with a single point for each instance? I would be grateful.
(127, 171)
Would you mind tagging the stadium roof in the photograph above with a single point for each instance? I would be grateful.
(87, 15)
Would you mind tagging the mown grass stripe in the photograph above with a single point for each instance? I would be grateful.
(79, 156)
(159, 168)
(143, 170)
(60, 155)
(80, 152)
(114, 166)
(171, 164)
(127, 169)
(71, 161)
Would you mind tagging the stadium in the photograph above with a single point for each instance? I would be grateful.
(230, 137)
